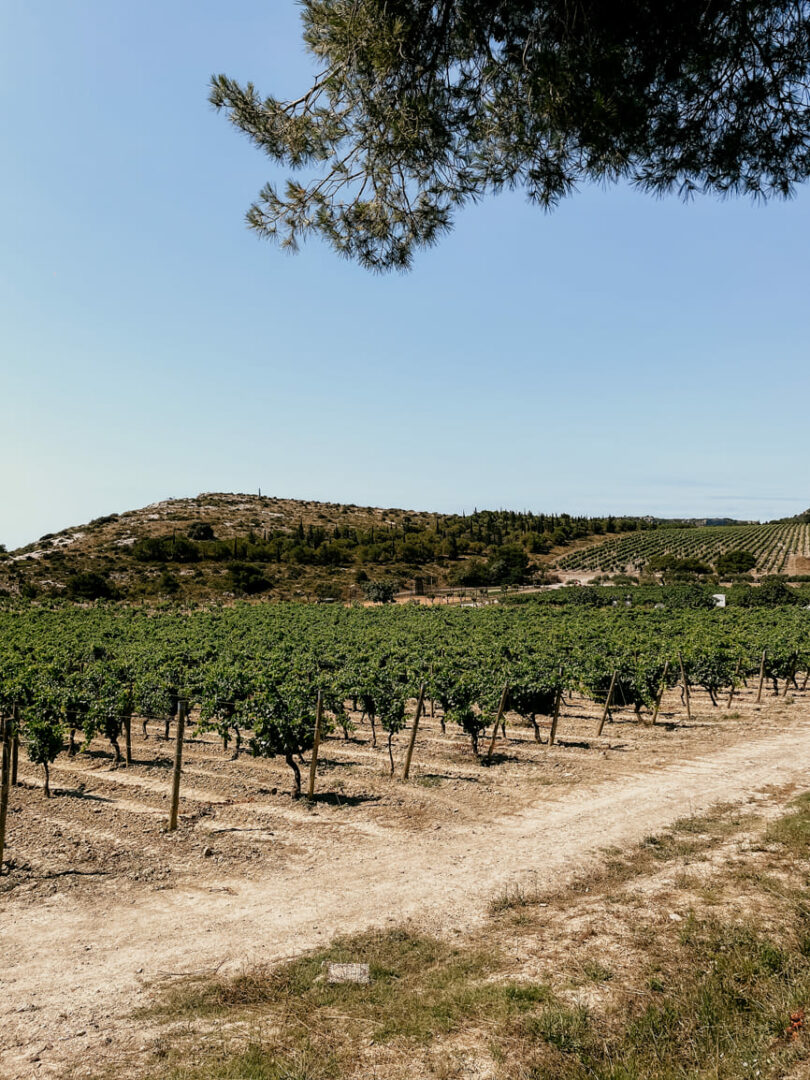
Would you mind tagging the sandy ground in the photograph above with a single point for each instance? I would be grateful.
(101, 902)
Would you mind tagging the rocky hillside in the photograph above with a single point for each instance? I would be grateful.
(217, 546)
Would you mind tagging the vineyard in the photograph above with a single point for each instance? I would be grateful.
(278, 679)
(96, 704)
(773, 546)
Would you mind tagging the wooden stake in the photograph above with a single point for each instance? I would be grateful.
(128, 728)
(734, 684)
(663, 687)
(686, 694)
(5, 781)
(761, 676)
(15, 743)
(609, 698)
(498, 718)
(790, 678)
(420, 703)
(313, 764)
(178, 764)
(555, 719)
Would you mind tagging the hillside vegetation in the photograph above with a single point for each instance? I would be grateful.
(217, 546)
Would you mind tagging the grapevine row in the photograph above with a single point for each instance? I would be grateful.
(257, 672)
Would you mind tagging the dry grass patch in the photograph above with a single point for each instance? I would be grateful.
(421, 989)
(688, 839)
(792, 831)
(581, 985)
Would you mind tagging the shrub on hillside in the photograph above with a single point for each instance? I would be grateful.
(168, 583)
(472, 573)
(329, 590)
(96, 523)
(509, 566)
(247, 578)
(200, 530)
(379, 592)
(735, 562)
(89, 586)
(166, 549)
(150, 549)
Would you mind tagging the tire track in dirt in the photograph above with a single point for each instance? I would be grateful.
(445, 875)
(239, 810)
(134, 780)
(84, 831)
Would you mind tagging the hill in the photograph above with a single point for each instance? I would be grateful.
(803, 518)
(217, 546)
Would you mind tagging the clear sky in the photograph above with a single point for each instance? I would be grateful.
(623, 354)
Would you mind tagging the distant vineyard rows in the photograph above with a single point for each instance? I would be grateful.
(772, 545)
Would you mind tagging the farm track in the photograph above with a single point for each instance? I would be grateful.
(285, 878)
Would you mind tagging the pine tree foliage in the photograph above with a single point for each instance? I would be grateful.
(423, 105)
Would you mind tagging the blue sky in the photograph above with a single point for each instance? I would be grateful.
(623, 354)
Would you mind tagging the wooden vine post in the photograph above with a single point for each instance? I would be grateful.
(661, 690)
(687, 696)
(15, 743)
(128, 729)
(5, 782)
(420, 704)
(555, 718)
(316, 742)
(761, 676)
(498, 719)
(608, 700)
(734, 683)
(178, 764)
(792, 677)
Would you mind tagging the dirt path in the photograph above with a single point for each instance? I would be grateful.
(73, 967)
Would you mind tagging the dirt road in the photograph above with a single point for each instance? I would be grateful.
(74, 965)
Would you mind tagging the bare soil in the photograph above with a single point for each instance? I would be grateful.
(101, 902)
